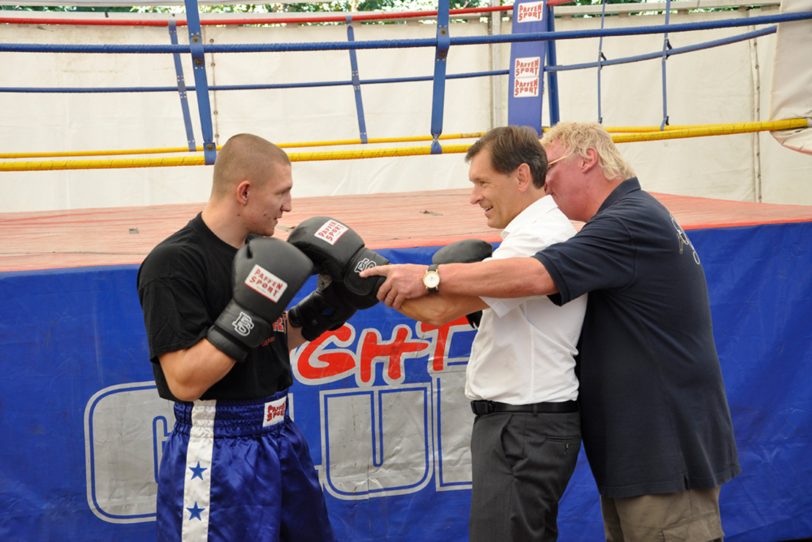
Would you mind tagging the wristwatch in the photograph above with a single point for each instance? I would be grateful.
(431, 280)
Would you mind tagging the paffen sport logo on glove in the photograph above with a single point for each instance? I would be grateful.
(243, 324)
(266, 283)
(331, 231)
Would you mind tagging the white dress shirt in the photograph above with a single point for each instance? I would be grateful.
(524, 351)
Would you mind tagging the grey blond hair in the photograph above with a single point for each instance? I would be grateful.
(579, 137)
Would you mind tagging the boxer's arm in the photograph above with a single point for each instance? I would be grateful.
(190, 372)
(295, 338)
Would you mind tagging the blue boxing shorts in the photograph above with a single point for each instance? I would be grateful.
(238, 470)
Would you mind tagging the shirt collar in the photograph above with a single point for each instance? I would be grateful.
(629, 185)
(542, 205)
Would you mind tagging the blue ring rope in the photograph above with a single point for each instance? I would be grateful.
(672, 52)
(281, 86)
(253, 86)
(408, 43)
(551, 70)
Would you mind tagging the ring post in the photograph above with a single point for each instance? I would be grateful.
(552, 75)
(356, 83)
(438, 94)
(666, 49)
(601, 60)
(201, 84)
(184, 101)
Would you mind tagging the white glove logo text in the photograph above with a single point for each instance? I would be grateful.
(364, 263)
(243, 324)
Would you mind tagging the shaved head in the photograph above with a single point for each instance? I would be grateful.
(245, 157)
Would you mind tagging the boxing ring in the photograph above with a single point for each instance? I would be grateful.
(379, 400)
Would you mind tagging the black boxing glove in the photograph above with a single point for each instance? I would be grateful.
(465, 251)
(267, 274)
(336, 250)
(326, 308)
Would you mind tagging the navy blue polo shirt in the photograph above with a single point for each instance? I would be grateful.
(655, 417)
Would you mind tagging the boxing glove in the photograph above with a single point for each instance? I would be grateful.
(326, 308)
(267, 274)
(465, 251)
(336, 250)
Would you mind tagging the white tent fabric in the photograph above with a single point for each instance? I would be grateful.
(728, 84)
(792, 77)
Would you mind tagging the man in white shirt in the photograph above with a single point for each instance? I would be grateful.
(521, 374)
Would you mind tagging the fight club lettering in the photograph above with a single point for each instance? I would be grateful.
(266, 283)
(331, 231)
(327, 358)
(530, 12)
(390, 353)
(441, 338)
(274, 412)
(526, 73)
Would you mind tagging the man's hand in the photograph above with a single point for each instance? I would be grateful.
(403, 281)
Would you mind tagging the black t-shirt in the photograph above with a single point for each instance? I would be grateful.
(655, 414)
(183, 285)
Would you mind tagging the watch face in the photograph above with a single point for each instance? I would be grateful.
(431, 279)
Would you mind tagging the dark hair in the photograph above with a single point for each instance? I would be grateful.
(512, 146)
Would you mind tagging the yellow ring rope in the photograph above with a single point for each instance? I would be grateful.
(674, 132)
(295, 144)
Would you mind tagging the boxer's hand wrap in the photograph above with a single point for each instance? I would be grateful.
(267, 274)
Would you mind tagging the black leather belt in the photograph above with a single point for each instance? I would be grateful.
(487, 407)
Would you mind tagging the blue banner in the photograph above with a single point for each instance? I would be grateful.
(380, 401)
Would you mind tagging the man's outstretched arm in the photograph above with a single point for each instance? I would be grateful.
(510, 277)
(441, 308)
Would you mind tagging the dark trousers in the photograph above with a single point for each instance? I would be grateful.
(521, 465)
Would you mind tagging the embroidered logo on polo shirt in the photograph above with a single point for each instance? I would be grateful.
(682, 239)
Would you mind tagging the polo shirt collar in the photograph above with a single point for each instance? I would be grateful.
(629, 185)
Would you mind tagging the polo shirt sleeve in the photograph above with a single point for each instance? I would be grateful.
(519, 244)
(601, 256)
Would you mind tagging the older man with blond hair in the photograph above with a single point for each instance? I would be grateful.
(654, 415)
